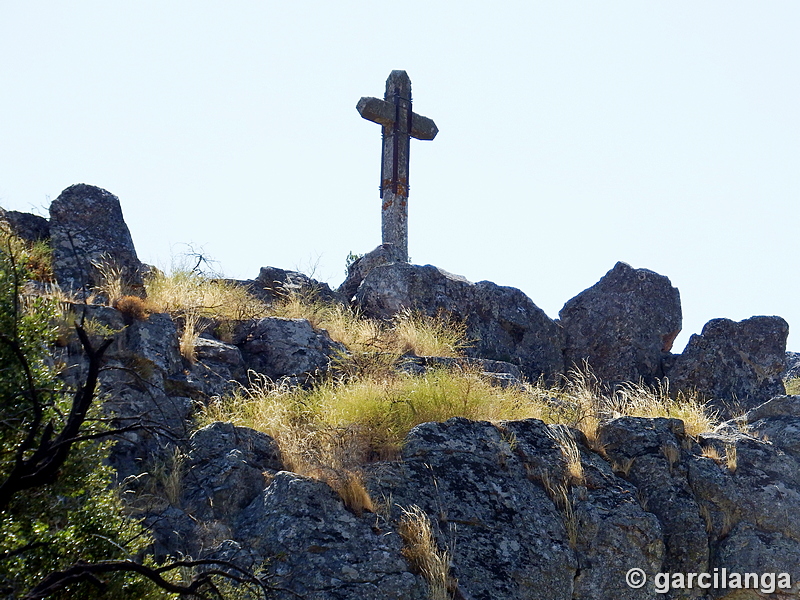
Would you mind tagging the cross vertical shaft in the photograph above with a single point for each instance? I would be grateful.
(399, 124)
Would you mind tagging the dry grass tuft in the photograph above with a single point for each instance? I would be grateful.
(560, 495)
(183, 291)
(731, 460)
(350, 487)
(112, 285)
(423, 554)
(410, 332)
(637, 400)
(188, 336)
(569, 449)
(132, 307)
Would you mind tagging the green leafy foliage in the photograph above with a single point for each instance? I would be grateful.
(79, 516)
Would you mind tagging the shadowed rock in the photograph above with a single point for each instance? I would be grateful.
(736, 365)
(278, 347)
(624, 325)
(29, 227)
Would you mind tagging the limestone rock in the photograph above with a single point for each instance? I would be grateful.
(87, 229)
(737, 365)
(624, 325)
(384, 254)
(504, 323)
(277, 347)
(29, 227)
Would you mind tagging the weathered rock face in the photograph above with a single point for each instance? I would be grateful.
(278, 347)
(792, 365)
(385, 254)
(225, 470)
(482, 486)
(219, 368)
(325, 551)
(624, 325)
(136, 384)
(503, 322)
(31, 228)
(86, 229)
(736, 365)
(732, 508)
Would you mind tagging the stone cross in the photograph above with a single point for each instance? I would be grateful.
(400, 124)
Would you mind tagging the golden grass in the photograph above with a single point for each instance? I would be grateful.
(183, 291)
(637, 400)
(423, 554)
(569, 449)
(792, 386)
(370, 416)
(410, 332)
(343, 423)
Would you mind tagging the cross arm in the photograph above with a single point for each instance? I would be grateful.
(376, 110)
(383, 112)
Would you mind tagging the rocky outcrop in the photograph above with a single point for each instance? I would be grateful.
(736, 365)
(29, 227)
(385, 254)
(623, 326)
(277, 347)
(274, 284)
(502, 322)
(225, 470)
(87, 230)
(325, 550)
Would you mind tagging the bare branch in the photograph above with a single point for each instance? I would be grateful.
(200, 586)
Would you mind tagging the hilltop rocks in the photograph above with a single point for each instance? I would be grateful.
(737, 365)
(384, 254)
(624, 325)
(29, 227)
(86, 230)
(503, 323)
(273, 283)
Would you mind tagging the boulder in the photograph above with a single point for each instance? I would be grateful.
(29, 227)
(218, 369)
(278, 347)
(502, 322)
(273, 284)
(87, 229)
(384, 254)
(623, 326)
(736, 365)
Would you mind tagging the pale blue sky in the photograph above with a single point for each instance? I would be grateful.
(572, 135)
